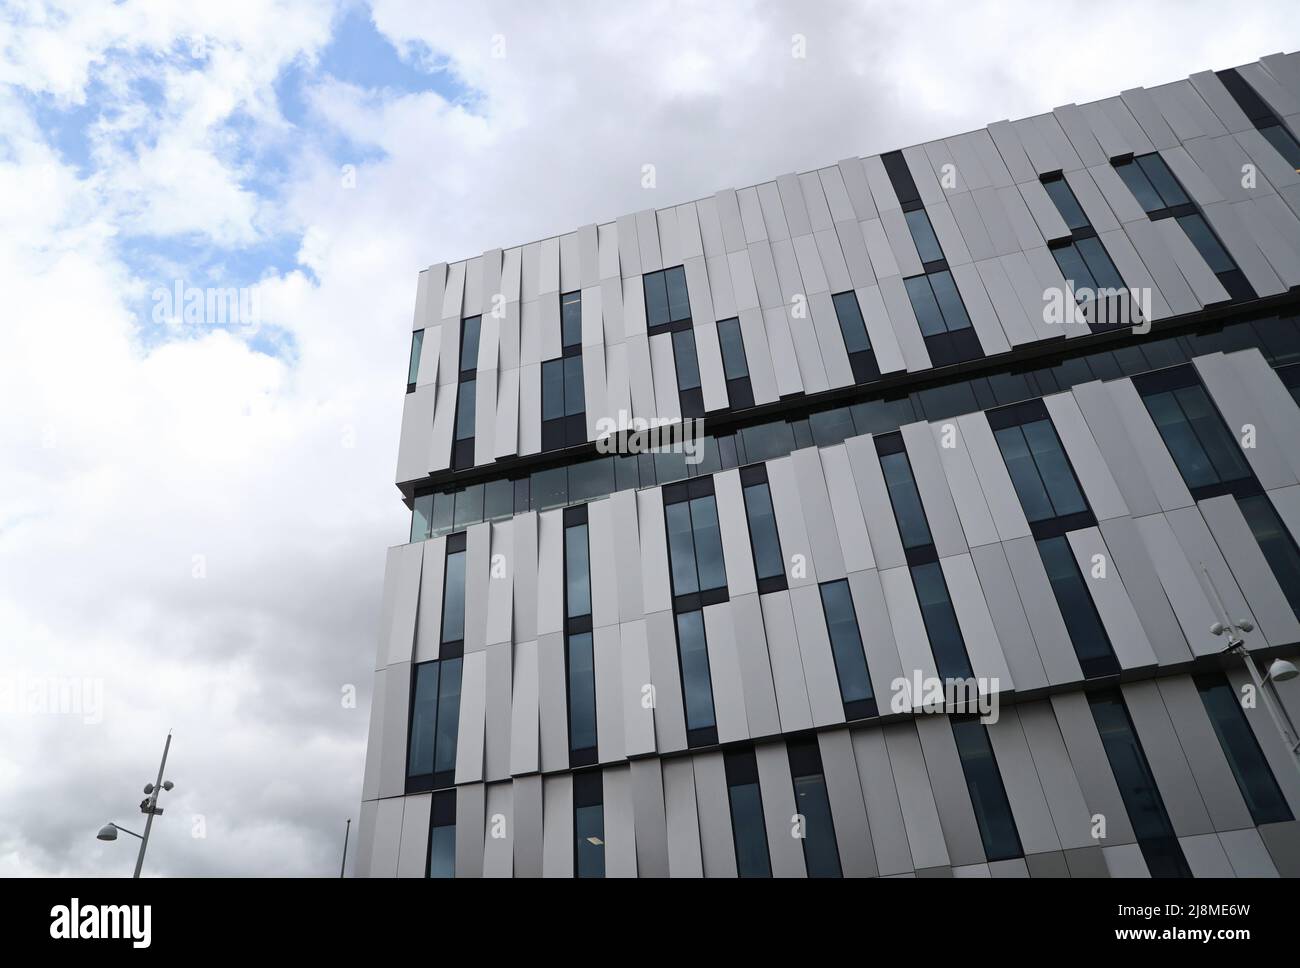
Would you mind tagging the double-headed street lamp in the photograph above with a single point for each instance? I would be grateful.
(148, 806)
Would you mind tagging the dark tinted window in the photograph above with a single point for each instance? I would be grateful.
(1206, 243)
(413, 368)
(1249, 767)
(577, 571)
(906, 500)
(469, 332)
(442, 835)
(846, 643)
(852, 326)
(733, 349)
(588, 825)
(453, 598)
(1040, 471)
(747, 828)
(763, 536)
(571, 319)
(941, 626)
(582, 692)
(696, 685)
(820, 851)
(988, 797)
(1196, 437)
(1088, 636)
(927, 245)
(1277, 544)
(1066, 203)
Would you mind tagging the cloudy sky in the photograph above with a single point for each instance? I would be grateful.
(193, 518)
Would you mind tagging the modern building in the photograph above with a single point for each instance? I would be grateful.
(920, 468)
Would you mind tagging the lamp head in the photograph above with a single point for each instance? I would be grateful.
(1246, 625)
(168, 785)
(1215, 629)
(107, 832)
(1282, 670)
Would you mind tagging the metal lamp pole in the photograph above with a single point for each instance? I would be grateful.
(149, 806)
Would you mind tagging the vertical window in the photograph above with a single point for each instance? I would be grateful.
(1082, 258)
(988, 797)
(941, 314)
(1058, 189)
(941, 626)
(1277, 544)
(697, 686)
(462, 453)
(580, 664)
(564, 405)
(927, 244)
(1152, 183)
(1137, 786)
(735, 366)
(904, 497)
(1285, 143)
(846, 649)
(821, 853)
(853, 328)
(1197, 438)
(588, 824)
(413, 368)
(699, 574)
(421, 516)
(769, 563)
(1254, 778)
(435, 687)
(1039, 468)
(748, 830)
(442, 835)
(1261, 116)
(1087, 634)
(689, 391)
(666, 302)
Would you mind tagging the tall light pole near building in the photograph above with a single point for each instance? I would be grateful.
(1280, 670)
(148, 806)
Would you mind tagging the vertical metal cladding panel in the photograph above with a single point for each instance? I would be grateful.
(444, 414)
(699, 288)
(1053, 640)
(1099, 486)
(855, 182)
(951, 796)
(779, 810)
(523, 566)
(847, 519)
(832, 259)
(670, 249)
(949, 235)
(1196, 737)
(818, 660)
(807, 353)
(978, 242)
(737, 554)
(649, 820)
(1270, 396)
(553, 710)
(403, 576)
(364, 854)
(413, 450)
(758, 356)
(683, 822)
(761, 714)
(751, 215)
(854, 248)
(1092, 201)
(1189, 173)
(607, 649)
(667, 403)
(877, 634)
(1203, 552)
(1080, 132)
(819, 521)
(986, 658)
(557, 825)
(1206, 856)
(743, 283)
(1057, 143)
(712, 376)
(1212, 91)
(529, 832)
(595, 390)
(967, 497)
(496, 751)
(1160, 743)
(627, 555)
(530, 409)
(826, 329)
(375, 738)
(1242, 552)
(1153, 455)
(478, 569)
(849, 813)
(620, 822)
(505, 434)
(1011, 150)
(884, 341)
(793, 205)
(1243, 413)
(1169, 102)
(602, 538)
(654, 550)
(786, 503)
(471, 806)
(1135, 275)
(1029, 290)
(724, 673)
(873, 498)
(882, 189)
(637, 690)
(940, 512)
(499, 839)
(1046, 215)
(1132, 136)
(925, 833)
(629, 247)
(617, 403)
(1112, 599)
(990, 158)
(386, 839)
(1274, 229)
(1268, 161)
(1118, 453)
(769, 200)
(589, 257)
(1247, 853)
(1227, 223)
(1014, 636)
(473, 712)
(688, 231)
(1006, 302)
(500, 583)
(670, 718)
(550, 571)
(914, 651)
(647, 233)
(992, 337)
(717, 846)
(1020, 779)
(927, 186)
(787, 665)
(1117, 195)
(1056, 773)
(991, 473)
(879, 252)
(763, 266)
(1205, 284)
(1150, 243)
(397, 701)
(733, 232)
(1182, 583)
(1142, 582)
(903, 321)
(1021, 220)
(900, 241)
(1147, 114)
(706, 212)
(1091, 767)
(880, 796)
(525, 737)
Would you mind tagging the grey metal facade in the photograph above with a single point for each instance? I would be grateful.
(903, 790)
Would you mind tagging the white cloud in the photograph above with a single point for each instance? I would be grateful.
(127, 456)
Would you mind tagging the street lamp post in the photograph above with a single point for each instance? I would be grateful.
(148, 806)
